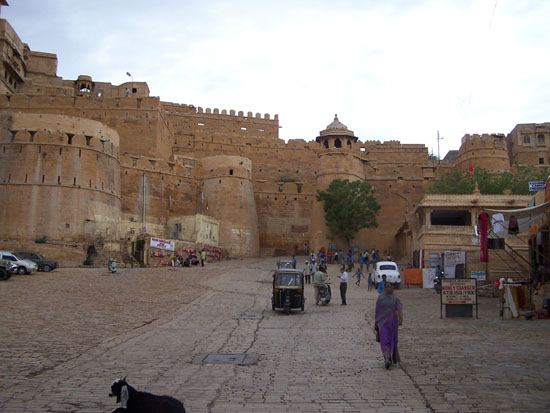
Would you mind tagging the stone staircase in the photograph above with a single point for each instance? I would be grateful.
(97, 257)
(505, 263)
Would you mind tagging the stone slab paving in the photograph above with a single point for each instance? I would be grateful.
(66, 335)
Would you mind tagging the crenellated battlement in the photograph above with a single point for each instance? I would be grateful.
(190, 110)
(486, 139)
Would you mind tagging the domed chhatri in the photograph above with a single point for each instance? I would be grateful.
(335, 134)
(336, 124)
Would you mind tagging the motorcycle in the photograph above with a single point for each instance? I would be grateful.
(439, 275)
(325, 294)
(111, 266)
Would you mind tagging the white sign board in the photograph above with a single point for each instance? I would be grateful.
(535, 186)
(458, 291)
(162, 244)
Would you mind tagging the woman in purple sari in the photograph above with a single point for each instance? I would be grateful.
(388, 317)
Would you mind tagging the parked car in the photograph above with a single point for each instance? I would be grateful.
(389, 268)
(6, 269)
(23, 266)
(43, 264)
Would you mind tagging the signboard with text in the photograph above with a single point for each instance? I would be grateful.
(458, 291)
(163, 244)
(478, 275)
(535, 186)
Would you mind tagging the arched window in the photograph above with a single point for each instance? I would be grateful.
(337, 143)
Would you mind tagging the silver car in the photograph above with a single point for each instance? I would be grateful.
(23, 266)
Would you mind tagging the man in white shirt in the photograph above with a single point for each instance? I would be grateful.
(343, 285)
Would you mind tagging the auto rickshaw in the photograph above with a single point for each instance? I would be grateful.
(288, 290)
(285, 264)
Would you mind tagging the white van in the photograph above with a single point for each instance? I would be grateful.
(390, 269)
(23, 266)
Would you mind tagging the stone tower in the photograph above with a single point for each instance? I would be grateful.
(59, 178)
(485, 151)
(335, 160)
(227, 195)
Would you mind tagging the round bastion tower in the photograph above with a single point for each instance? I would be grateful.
(336, 159)
(486, 151)
(229, 196)
(59, 178)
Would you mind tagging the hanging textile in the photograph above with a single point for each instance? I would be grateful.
(516, 221)
(483, 243)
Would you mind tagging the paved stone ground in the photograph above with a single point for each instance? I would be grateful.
(66, 335)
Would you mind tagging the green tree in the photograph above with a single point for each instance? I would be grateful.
(454, 182)
(489, 183)
(349, 207)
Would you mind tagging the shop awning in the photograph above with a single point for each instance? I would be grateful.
(509, 222)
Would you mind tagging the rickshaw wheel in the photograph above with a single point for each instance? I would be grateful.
(303, 305)
(273, 304)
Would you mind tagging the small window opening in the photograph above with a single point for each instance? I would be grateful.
(231, 172)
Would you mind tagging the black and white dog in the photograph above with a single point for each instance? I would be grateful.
(133, 401)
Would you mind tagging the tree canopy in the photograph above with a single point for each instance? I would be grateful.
(349, 207)
(489, 183)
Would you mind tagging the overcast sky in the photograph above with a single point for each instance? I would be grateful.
(391, 70)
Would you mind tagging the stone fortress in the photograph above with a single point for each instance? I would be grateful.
(86, 163)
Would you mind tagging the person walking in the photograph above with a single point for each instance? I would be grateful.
(370, 282)
(343, 286)
(358, 275)
(361, 261)
(366, 259)
(382, 284)
(387, 319)
(203, 257)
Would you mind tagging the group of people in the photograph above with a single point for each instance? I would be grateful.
(191, 259)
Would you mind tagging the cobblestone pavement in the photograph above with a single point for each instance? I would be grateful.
(66, 335)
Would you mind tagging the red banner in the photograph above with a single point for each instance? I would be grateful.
(483, 253)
